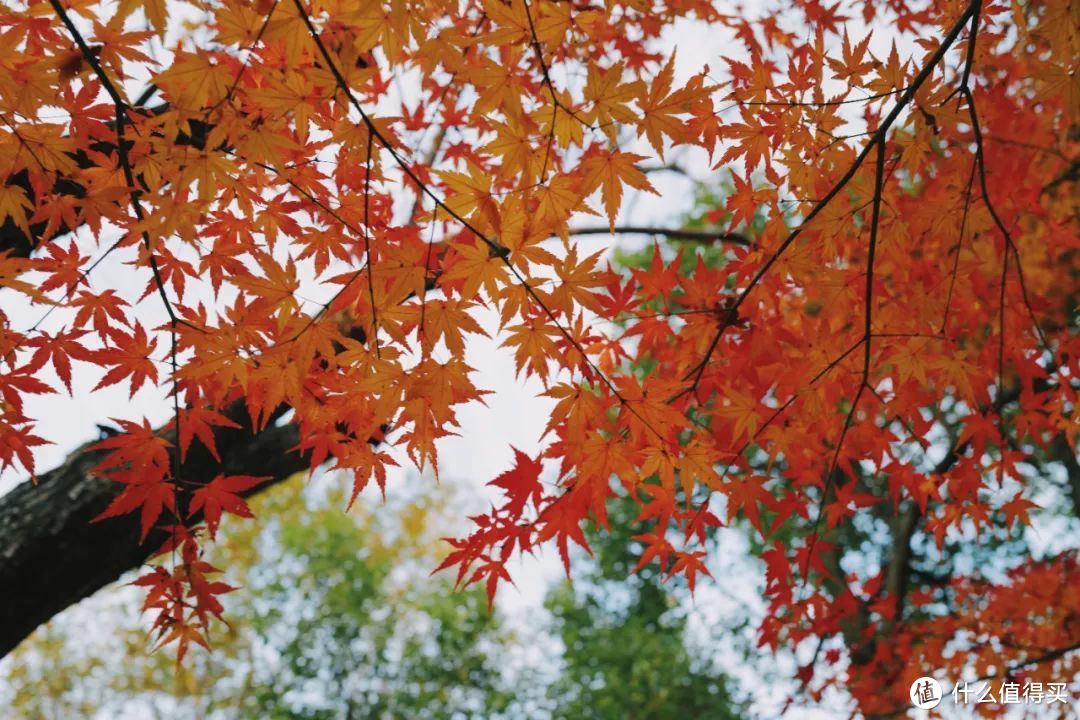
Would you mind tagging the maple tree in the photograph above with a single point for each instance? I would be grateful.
(885, 339)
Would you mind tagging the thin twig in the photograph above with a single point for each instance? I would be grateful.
(703, 236)
(495, 248)
(367, 248)
(868, 318)
(886, 124)
(959, 248)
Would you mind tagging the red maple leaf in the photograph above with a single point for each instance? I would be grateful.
(221, 495)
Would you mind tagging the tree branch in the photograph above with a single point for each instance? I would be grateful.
(702, 236)
(1047, 656)
(20, 244)
(52, 555)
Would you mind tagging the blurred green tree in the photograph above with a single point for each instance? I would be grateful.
(340, 621)
(625, 654)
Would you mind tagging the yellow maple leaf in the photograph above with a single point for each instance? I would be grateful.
(154, 10)
(610, 98)
(661, 108)
(194, 81)
(16, 205)
(470, 194)
(477, 266)
(609, 172)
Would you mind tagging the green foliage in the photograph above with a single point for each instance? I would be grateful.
(339, 620)
(625, 654)
(355, 638)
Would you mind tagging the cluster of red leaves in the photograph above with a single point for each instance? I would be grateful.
(183, 599)
(931, 254)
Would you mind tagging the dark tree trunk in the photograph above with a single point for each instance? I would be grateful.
(52, 556)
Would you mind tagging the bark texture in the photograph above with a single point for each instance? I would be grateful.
(52, 555)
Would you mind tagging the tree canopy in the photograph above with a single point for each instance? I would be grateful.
(866, 350)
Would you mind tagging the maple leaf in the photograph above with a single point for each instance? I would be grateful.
(662, 106)
(18, 441)
(511, 19)
(59, 350)
(183, 634)
(15, 206)
(1017, 509)
(535, 341)
(149, 497)
(130, 356)
(559, 196)
(577, 278)
(742, 409)
(657, 281)
(449, 320)
(494, 571)
(513, 143)
(706, 125)
(610, 97)
(14, 385)
(745, 202)
(890, 75)
(470, 194)
(137, 452)
(521, 483)
(10, 269)
(205, 591)
(753, 144)
(853, 66)
(476, 266)
(690, 565)
(562, 521)
(194, 80)
(659, 462)
(64, 268)
(221, 495)
(104, 310)
(139, 458)
(276, 289)
(609, 171)
(746, 495)
(154, 10)
(702, 519)
(657, 548)
(200, 422)
(661, 505)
